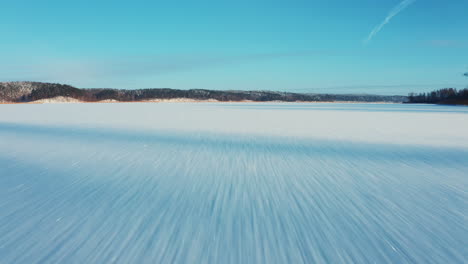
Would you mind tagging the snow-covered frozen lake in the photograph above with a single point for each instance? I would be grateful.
(233, 183)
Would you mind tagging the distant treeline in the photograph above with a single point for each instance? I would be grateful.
(442, 96)
(32, 91)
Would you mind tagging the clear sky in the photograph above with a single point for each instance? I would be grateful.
(359, 46)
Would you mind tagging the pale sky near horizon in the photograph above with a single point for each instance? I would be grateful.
(361, 46)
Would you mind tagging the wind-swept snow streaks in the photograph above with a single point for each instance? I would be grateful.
(81, 194)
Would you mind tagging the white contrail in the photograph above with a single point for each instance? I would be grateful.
(395, 11)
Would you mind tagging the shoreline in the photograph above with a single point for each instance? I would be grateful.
(70, 100)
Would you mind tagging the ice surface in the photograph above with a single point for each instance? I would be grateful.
(233, 183)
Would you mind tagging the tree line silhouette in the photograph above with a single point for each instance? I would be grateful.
(441, 96)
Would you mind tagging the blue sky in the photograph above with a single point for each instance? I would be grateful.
(300, 46)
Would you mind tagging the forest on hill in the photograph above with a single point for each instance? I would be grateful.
(32, 91)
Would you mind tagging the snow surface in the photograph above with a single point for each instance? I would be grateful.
(233, 183)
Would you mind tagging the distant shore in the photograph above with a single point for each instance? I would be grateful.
(70, 100)
(37, 92)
